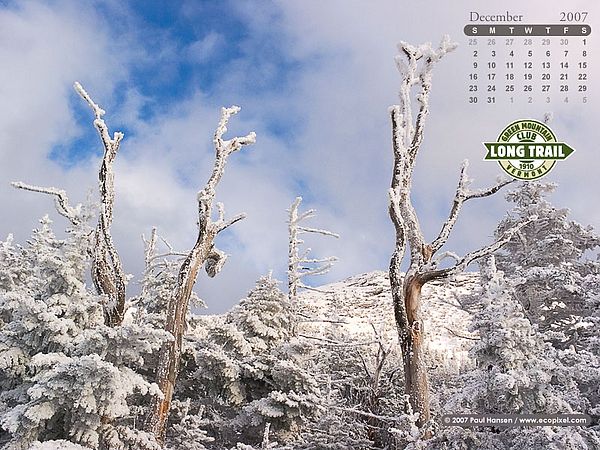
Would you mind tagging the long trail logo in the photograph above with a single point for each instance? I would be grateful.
(527, 150)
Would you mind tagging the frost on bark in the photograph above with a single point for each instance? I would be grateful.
(301, 265)
(415, 65)
(107, 270)
(204, 253)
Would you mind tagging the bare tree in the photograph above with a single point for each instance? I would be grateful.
(302, 265)
(204, 253)
(107, 271)
(415, 65)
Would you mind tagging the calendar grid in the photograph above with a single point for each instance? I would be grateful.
(528, 63)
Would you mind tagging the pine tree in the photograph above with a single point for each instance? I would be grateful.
(556, 281)
(65, 374)
(517, 372)
(255, 369)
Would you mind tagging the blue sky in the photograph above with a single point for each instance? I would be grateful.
(186, 47)
(314, 80)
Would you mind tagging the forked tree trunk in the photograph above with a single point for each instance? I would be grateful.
(203, 253)
(416, 65)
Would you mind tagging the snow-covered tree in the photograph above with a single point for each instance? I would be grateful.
(517, 372)
(64, 373)
(416, 65)
(300, 264)
(252, 365)
(110, 280)
(521, 372)
(557, 279)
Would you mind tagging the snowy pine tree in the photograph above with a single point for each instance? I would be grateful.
(65, 374)
(517, 372)
(558, 281)
(255, 369)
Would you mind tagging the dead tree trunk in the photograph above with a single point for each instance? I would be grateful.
(204, 253)
(107, 271)
(300, 265)
(415, 65)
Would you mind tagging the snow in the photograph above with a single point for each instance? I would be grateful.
(363, 303)
(57, 445)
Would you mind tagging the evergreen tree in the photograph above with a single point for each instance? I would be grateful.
(256, 370)
(517, 372)
(555, 280)
(64, 374)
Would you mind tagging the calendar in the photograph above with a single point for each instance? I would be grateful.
(517, 60)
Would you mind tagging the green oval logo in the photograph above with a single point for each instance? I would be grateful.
(527, 150)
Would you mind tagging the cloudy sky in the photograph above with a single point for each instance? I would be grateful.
(314, 80)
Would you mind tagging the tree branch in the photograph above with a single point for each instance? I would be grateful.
(61, 201)
(407, 138)
(462, 195)
(337, 343)
(318, 231)
(477, 254)
(462, 336)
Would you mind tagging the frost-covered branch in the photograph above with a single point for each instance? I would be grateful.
(407, 137)
(314, 289)
(301, 265)
(150, 254)
(149, 246)
(462, 195)
(265, 440)
(221, 225)
(317, 231)
(223, 148)
(462, 336)
(204, 253)
(470, 257)
(446, 255)
(336, 343)
(312, 319)
(61, 201)
(329, 259)
(367, 414)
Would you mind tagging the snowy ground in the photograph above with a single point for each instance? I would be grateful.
(362, 305)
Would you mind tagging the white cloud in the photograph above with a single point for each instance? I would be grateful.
(201, 50)
(44, 51)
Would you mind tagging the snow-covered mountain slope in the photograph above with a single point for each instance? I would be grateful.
(361, 306)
